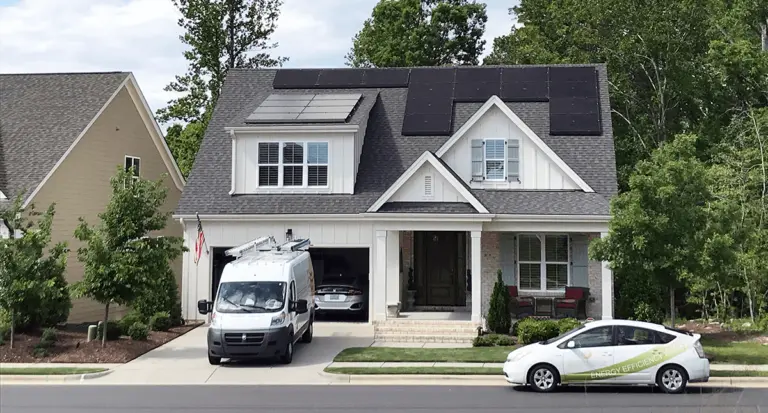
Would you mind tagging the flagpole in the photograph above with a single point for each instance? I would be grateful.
(205, 241)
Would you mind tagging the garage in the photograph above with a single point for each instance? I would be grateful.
(342, 283)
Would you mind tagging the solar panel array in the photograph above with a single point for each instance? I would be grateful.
(572, 92)
(293, 108)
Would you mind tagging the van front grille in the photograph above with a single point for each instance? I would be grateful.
(243, 339)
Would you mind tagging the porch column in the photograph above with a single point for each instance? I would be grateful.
(379, 290)
(477, 274)
(607, 288)
(393, 273)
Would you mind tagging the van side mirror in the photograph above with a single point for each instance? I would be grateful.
(299, 306)
(571, 344)
(204, 307)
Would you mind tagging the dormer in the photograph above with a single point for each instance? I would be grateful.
(300, 143)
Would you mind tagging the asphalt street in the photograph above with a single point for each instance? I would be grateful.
(379, 399)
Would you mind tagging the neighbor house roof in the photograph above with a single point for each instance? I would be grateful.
(387, 153)
(41, 115)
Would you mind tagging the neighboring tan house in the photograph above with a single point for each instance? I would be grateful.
(62, 136)
(452, 173)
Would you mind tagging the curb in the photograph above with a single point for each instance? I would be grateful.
(51, 378)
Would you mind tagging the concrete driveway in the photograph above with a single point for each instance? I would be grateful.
(184, 361)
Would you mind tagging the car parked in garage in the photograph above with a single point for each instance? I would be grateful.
(341, 292)
(611, 352)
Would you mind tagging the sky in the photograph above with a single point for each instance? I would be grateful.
(142, 36)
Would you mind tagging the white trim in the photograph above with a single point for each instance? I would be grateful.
(551, 218)
(158, 137)
(428, 156)
(295, 128)
(234, 160)
(382, 216)
(495, 101)
(2, 195)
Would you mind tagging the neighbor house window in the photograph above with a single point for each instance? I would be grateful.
(293, 164)
(543, 262)
(135, 163)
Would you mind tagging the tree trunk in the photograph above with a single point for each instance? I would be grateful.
(672, 305)
(104, 327)
(749, 296)
(764, 30)
(13, 327)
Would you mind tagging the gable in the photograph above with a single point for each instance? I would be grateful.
(527, 162)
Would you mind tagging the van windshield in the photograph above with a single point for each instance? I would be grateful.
(251, 297)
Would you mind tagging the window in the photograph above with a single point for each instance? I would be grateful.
(543, 262)
(634, 336)
(596, 337)
(135, 163)
(494, 159)
(293, 164)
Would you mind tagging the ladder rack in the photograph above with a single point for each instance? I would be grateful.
(250, 247)
(294, 245)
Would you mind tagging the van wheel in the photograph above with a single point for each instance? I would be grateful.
(214, 361)
(672, 379)
(307, 337)
(287, 356)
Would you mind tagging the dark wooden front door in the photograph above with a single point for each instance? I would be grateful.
(441, 268)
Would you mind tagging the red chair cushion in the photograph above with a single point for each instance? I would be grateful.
(525, 302)
(512, 290)
(566, 304)
(574, 293)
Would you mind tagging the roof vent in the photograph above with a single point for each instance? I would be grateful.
(429, 190)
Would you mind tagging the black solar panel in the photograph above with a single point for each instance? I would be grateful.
(296, 78)
(475, 91)
(524, 74)
(478, 74)
(572, 74)
(573, 89)
(430, 75)
(575, 124)
(525, 91)
(340, 78)
(426, 124)
(573, 105)
(385, 77)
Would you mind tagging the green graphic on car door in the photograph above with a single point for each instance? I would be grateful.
(638, 363)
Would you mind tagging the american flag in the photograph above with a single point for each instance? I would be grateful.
(200, 241)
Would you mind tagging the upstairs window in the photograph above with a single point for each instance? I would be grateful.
(293, 164)
(495, 160)
(135, 163)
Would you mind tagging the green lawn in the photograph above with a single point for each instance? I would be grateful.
(457, 355)
(485, 371)
(735, 352)
(45, 371)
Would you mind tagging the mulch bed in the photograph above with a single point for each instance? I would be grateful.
(71, 346)
(715, 331)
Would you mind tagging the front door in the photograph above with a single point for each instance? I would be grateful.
(441, 268)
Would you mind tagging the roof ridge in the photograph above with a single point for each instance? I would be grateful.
(65, 73)
(248, 69)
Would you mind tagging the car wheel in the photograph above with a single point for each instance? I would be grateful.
(287, 356)
(214, 361)
(672, 379)
(307, 337)
(543, 378)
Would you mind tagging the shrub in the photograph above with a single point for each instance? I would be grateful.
(493, 340)
(514, 328)
(5, 327)
(762, 324)
(130, 319)
(49, 337)
(567, 324)
(499, 316)
(161, 321)
(647, 312)
(743, 326)
(531, 330)
(40, 351)
(161, 295)
(113, 330)
(138, 331)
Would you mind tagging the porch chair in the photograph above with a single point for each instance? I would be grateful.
(521, 306)
(573, 304)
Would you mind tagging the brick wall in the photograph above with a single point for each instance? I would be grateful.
(491, 263)
(595, 269)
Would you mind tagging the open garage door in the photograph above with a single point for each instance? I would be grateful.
(342, 283)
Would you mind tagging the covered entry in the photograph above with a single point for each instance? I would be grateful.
(440, 269)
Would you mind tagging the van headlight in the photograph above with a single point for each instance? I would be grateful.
(278, 320)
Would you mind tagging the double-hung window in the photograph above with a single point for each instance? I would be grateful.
(135, 163)
(542, 262)
(494, 159)
(293, 164)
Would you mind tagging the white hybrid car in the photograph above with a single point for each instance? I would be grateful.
(611, 352)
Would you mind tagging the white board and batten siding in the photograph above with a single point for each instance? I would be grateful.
(196, 282)
(343, 156)
(427, 184)
(537, 171)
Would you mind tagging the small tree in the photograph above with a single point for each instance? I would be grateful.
(120, 258)
(32, 286)
(499, 316)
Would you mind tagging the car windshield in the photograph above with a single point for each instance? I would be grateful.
(571, 331)
(251, 297)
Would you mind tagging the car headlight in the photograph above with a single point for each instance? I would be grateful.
(278, 320)
(516, 355)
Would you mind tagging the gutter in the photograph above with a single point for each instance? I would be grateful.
(378, 216)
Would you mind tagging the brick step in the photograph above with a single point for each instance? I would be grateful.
(426, 330)
(426, 338)
(423, 322)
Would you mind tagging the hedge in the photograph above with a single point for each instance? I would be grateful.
(531, 330)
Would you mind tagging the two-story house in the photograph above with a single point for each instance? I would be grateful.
(424, 181)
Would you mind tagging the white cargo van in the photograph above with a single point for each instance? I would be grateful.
(260, 309)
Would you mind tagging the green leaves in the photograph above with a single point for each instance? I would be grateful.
(420, 33)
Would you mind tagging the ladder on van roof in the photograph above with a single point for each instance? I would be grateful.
(265, 244)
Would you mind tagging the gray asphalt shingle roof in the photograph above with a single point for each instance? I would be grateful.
(41, 115)
(428, 207)
(387, 154)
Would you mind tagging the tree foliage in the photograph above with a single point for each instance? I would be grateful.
(120, 256)
(221, 35)
(32, 285)
(420, 33)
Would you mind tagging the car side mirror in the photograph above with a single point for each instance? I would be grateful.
(204, 307)
(299, 306)
(571, 344)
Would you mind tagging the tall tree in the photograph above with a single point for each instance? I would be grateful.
(120, 256)
(221, 35)
(420, 33)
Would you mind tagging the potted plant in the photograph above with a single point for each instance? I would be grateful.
(411, 299)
